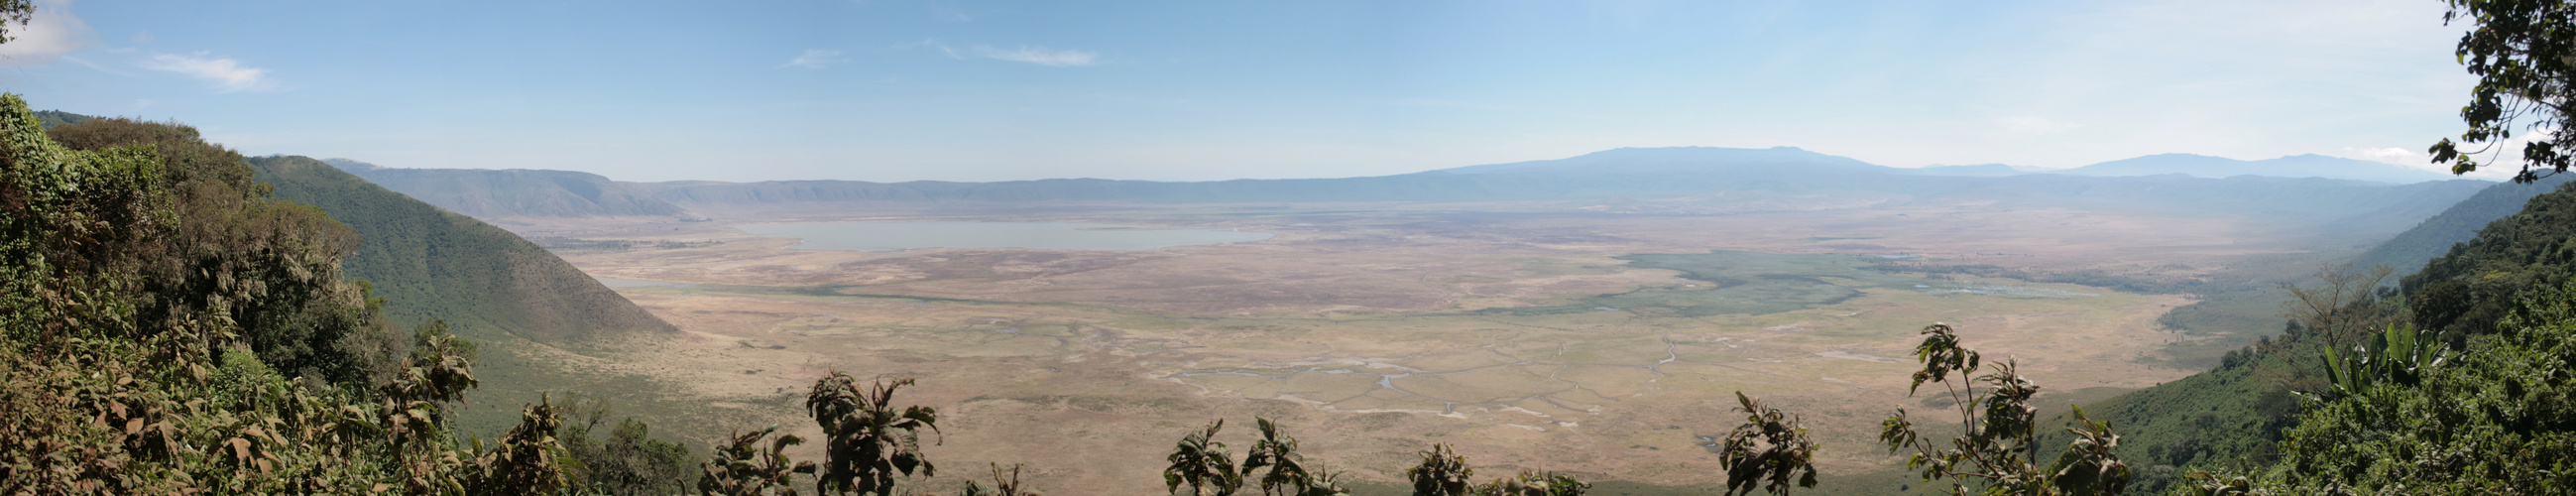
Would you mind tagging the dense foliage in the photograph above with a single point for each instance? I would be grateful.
(2501, 420)
(1273, 464)
(628, 460)
(1770, 451)
(171, 328)
(2467, 291)
(1998, 448)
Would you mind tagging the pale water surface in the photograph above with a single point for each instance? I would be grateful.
(897, 236)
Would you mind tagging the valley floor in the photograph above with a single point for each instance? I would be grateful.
(1526, 340)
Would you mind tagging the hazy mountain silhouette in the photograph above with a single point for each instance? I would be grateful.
(485, 193)
(1698, 179)
(2310, 165)
(1975, 170)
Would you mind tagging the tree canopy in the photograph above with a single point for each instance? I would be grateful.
(2524, 54)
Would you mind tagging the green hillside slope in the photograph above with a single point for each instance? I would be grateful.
(432, 263)
(2434, 237)
(525, 306)
(2238, 411)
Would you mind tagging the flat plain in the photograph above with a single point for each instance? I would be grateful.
(1605, 345)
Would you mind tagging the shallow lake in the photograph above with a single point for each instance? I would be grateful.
(897, 236)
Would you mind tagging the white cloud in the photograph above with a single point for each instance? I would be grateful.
(50, 33)
(815, 59)
(1042, 56)
(2392, 155)
(227, 74)
(2416, 159)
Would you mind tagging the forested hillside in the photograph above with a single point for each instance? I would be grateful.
(2465, 300)
(430, 263)
(2458, 224)
(173, 328)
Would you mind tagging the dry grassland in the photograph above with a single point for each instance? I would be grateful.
(1375, 333)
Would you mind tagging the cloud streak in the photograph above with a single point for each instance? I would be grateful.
(227, 74)
(815, 59)
(48, 35)
(1043, 56)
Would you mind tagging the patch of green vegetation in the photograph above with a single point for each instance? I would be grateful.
(56, 118)
(1549, 267)
(1737, 282)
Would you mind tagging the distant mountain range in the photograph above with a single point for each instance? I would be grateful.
(485, 193)
(1635, 180)
(2310, 165)
(1977, 170)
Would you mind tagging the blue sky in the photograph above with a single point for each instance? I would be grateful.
(974, 90)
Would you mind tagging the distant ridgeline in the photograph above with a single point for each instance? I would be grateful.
(2318, 190)
(484, 193)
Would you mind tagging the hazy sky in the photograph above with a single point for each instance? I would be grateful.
(1194, 90)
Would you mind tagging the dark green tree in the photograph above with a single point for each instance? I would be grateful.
(2499, 420)
(628, 460)
(1202, 463)
(745, 466)
(2524, 55)
(528, 460)
(866, 440)
(1441, 473)
(1769, 450)
(1997, 448)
